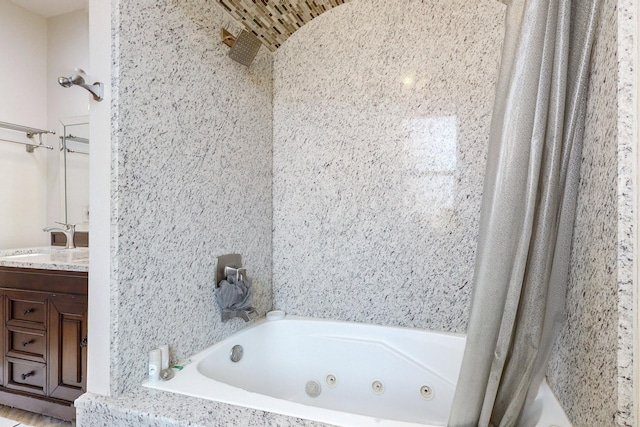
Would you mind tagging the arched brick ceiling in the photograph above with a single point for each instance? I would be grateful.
(273, 21)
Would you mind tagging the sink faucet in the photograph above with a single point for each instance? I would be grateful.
(69, 231)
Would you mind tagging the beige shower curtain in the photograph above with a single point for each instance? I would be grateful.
(528, 209)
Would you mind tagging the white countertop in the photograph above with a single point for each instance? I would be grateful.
(46, 258)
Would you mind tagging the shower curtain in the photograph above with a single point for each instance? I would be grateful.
(528, 209)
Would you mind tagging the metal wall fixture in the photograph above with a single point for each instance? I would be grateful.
(227, 265)
(72, 138)
(30, 132)
(236, 353)
(225, 262)
(244, 48)
(78, 79)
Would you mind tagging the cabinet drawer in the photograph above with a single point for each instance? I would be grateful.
(25, 375)
(26, 343)
(26, 310)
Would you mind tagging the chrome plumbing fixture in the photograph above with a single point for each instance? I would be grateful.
(236, 353)
(331, 380)
(246, 315)
(78, 79)
(244, 48)
(229, 268)
(239, 273)
(225, 262)
(377, 387)
(313, 388)
(166, 374)
(69, 231)
(426, 392)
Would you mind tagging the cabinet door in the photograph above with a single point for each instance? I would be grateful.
(67, 346)
(3, 347)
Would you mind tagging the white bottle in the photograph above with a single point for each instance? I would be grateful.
(155, 363)
(165, 356)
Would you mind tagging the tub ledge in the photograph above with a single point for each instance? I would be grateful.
(145, 407)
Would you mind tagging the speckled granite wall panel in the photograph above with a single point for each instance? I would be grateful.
(583, 367)
(192, 178)
(152, 408)
(381, 122)
(627, 164)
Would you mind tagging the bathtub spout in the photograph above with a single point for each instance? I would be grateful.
(246, 315)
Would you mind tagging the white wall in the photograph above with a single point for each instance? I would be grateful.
(23, 100)
(99, 354)
(36, 51)
(68, 48)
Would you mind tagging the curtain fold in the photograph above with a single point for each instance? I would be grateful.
(528, 209)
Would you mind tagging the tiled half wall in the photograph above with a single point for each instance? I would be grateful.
(191, 179)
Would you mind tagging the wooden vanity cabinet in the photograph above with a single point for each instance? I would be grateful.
(68, 337)
(43, 339)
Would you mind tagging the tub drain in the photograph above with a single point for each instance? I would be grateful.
(313, 388)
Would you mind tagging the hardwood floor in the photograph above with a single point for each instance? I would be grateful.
(32, 419)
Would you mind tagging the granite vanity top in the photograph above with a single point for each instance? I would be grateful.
(46, 258)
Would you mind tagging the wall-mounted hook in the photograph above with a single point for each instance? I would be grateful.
(228, 264)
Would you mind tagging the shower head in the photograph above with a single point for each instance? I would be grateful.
(77, 79)
(71, 81)
(244, 48)
(64, 81)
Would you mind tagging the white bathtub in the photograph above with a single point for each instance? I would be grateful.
(340, 373)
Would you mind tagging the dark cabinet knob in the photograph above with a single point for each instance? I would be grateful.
(84, 342)
(26, 343)
(27, 375)
(27, 311)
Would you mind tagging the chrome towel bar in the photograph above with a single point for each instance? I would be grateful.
(30, 132)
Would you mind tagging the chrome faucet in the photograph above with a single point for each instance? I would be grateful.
(69, 231)
(246, 315)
